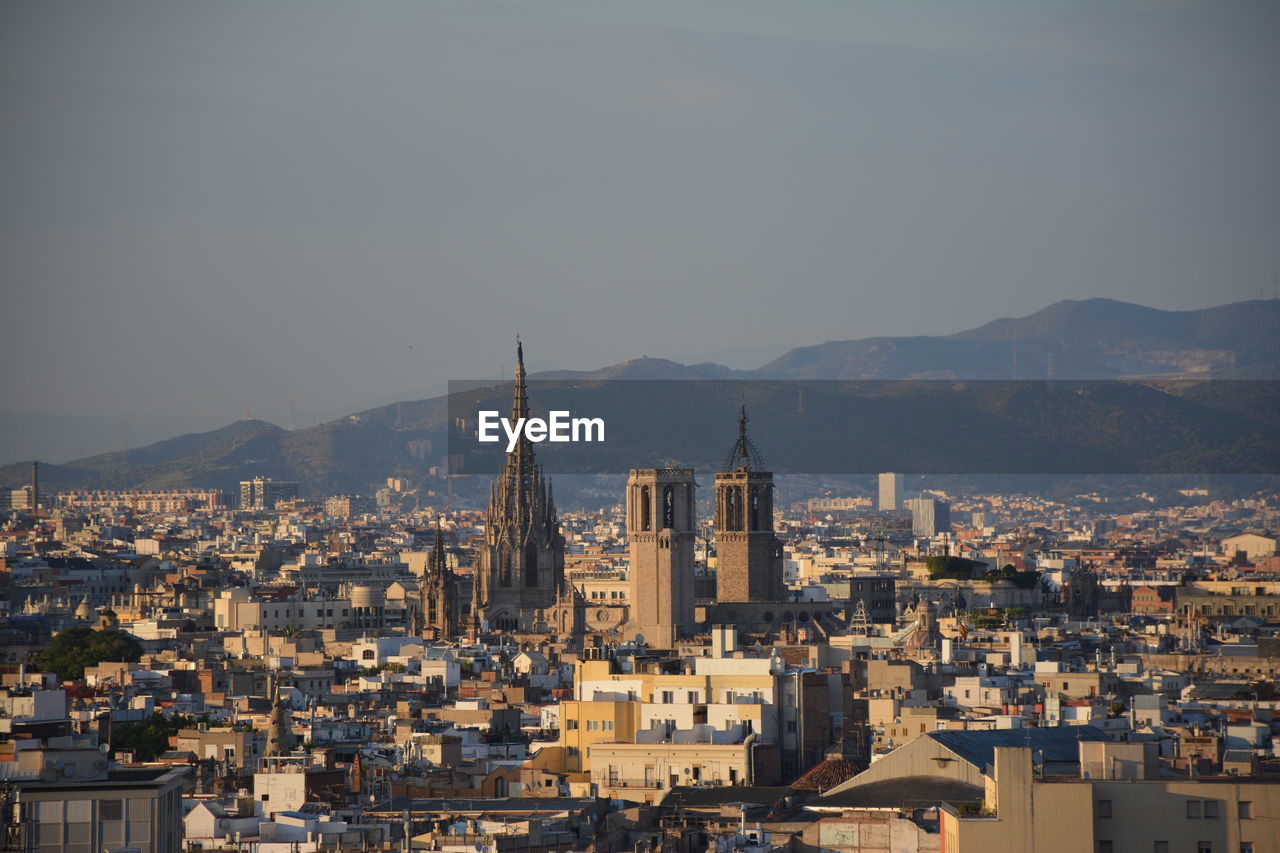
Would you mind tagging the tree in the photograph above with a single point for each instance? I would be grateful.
(76, 648)
(956, 568)
(150, 737)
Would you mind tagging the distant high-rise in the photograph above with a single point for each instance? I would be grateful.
(890, 497)
(748, 554)
(930, 516)
(265, 493)
(661, 519)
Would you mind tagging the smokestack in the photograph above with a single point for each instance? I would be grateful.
(35, 488)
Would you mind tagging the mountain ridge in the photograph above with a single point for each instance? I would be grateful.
(1073, 339)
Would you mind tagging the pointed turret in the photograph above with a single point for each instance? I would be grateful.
(743, 456)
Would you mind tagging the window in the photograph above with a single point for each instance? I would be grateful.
(1103, 809)
(1105, 847)
(1160, 847)
(1246, 847)
(593, 725)
(608, 725)
(667, 697)
(1193, 809)
(1246, 809)
(571, 725)
(1204, 847)
(111, 809)
(1210, 809)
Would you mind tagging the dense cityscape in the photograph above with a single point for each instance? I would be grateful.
(679, 426)
(898, 669)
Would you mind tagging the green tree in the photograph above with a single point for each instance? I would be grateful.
(76, 648)
(957, 568)
(150, 737)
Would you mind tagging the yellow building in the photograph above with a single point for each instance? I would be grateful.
(720, 703)
(584, 724)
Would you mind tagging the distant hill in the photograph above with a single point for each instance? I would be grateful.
(1091, 339)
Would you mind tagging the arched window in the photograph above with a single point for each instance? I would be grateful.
(504, 561)
(755, 508)
(733, 508)
(644, 508)
(668, 508)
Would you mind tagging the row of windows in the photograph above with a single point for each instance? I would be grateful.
(302, 612)
(1230, 610)
(1196, 809)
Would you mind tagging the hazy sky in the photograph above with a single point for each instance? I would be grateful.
(204, 205)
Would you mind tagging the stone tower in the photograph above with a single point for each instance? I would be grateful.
(522, 560)
(661, 524)
(439, 606)
(748, 554)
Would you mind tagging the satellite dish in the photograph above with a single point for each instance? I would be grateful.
(104, 748)
(639, 639)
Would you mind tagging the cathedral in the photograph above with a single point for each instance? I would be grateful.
(519, 585)
(520, 574)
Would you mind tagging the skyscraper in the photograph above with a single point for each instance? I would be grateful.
(929, 516)
(521, 567)
(890, 497)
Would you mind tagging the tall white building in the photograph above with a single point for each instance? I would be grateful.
(890, 492)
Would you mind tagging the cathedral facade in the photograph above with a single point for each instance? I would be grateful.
(520, 573)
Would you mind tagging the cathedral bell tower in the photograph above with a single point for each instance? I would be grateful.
(748, 554)
(661, 523)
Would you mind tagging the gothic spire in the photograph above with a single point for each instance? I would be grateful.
(520, 397)
(437, 552)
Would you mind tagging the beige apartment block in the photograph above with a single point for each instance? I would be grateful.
(644, 772)
(1025, 814)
